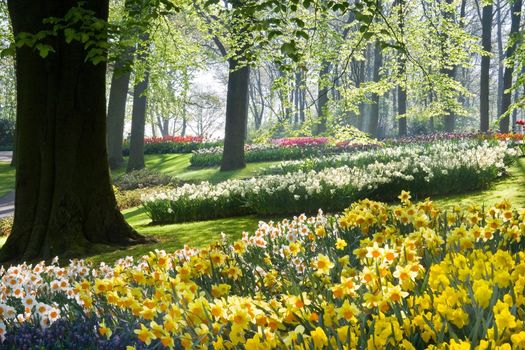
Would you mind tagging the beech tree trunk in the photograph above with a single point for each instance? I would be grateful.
(509, 69)
(138, 115)
(64, 200)
(15, 146)
(117, 112)
(450, 117)
(374, 108)
(401, 92)
(322, 99)
(236, 117)
(499, 41)
(486, 36)
(138, 123)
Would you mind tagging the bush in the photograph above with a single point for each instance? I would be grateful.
(128, 199)
(272, 152)
(6, 225)
(173, 144)
(143, 178)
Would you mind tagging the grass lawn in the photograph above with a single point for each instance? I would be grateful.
(178, 165)
(7, 178)
(175, 236)
(511, 187)
(198, 234)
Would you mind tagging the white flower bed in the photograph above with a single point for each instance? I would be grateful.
(464, 165)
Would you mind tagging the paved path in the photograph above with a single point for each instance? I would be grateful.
(7, 204)
(6, 156)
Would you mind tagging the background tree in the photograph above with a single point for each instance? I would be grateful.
(484, 91)
(509, 67)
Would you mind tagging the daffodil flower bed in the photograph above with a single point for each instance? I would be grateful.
(447, 149)
(440, 168)
(409, 276)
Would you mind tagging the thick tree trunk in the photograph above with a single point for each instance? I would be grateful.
(486, 36)
(15, 146)
(509, 69)
(236, 117)
(64, 201)
(322, 99)
(374, 108)
(117, 112)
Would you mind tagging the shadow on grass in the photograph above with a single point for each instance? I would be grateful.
(175, 236)
(510, 187)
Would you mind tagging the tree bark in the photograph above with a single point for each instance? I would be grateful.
(509, 69)
(117, 112)
(236, 117)
(322, 99)
(499, 41)
(450, 118)
(362, 106)
(138, 115)
(64, 200)
(15, 146)
(401, 92)
(374, 108)
(486, 39)
(138, 122)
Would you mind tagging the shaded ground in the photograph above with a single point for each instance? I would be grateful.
(178, 165)
(175, 236)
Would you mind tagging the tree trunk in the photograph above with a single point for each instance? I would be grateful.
(184, 126)
(138, 122)
(138, 115)
(236, 117)
(450, 118)
(509, 69)
(401, 92)
(499, 36)
(486, 36)
(64, 200)
(374, 108)
(15, 146)
(322, 99)
(117, 112)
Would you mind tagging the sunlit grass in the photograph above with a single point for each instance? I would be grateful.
(178, 165)
(511, 187)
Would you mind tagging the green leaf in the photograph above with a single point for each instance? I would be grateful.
(69, 35)
(44, 49)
